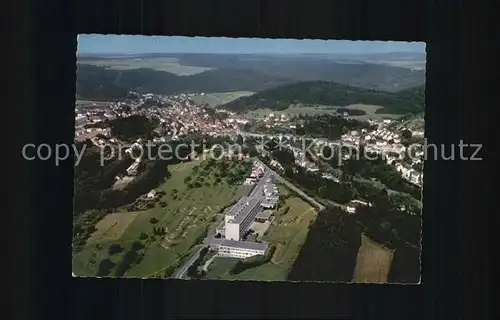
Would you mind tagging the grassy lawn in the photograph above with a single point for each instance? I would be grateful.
(185, 219)
(219, 268)
(290, 229)
(322, 109)
(373, 262)
(86, 262)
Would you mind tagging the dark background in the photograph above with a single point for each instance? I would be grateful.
(40, 76)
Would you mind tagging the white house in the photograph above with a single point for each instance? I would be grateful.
(151, 194)
(355, 204)
(237, 249)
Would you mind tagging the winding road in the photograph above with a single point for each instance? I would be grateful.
(182, 271)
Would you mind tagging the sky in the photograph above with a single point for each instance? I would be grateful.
(136, 44)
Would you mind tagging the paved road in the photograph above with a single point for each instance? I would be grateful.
(181, 273)
(301, 193)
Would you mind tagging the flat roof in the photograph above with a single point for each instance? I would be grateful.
(247, 209)
(236, 244)
(221, 225)
(263, 215)
(269, 203)
(237, 207)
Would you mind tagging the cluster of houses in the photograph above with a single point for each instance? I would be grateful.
(353, 205)
(255, 175)
(302, 161)
(411, 175)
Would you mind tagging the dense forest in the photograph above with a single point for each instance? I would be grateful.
(331, 94)
(101, 84)
(133, 127)
(310, 67)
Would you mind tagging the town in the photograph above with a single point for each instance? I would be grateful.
(269, 167)
(179, 117)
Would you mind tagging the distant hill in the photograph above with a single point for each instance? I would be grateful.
(255, 72)
(99, 83)
(315, 67)
(333, 94)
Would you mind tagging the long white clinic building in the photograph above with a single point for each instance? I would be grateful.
(236, 249)
(238, 220)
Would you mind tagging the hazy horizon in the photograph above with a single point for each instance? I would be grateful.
(139, 44)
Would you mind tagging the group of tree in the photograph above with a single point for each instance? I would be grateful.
(213, 172)
(131, 257)
(192, 270)
(159, 231)
(314, 184)
(328, 126)
(133, 127)
(332, 243)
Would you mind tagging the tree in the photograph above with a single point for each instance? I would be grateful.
(136, 246)
(114, 249)
(105, 267)
(239, 140)
(406, 134)
(153, 220)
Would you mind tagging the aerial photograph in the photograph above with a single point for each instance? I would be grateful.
(248, 159)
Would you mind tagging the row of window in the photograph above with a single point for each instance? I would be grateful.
(229, 249)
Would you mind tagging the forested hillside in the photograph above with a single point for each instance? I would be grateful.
(332, 94)
(239, 73)
(100, 83)
(312, 68)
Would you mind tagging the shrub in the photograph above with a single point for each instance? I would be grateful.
(114, 249)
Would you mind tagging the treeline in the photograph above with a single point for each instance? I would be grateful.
(95, 192)
(312, 183)
(133, 127)
(330, 250)
(84, 227)
(92, 178)
(330, 94)
(131, 257)
(252, 262)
